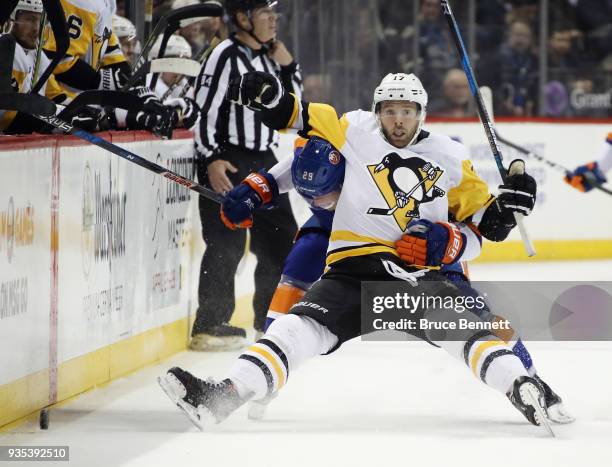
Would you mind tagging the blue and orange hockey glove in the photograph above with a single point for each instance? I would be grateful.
(240, 203)
(586, 177)
(431, 244)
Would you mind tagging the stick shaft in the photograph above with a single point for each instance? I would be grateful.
(482, 111)
(134, 158)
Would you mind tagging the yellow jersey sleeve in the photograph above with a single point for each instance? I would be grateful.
(313, 119)
(470, 195)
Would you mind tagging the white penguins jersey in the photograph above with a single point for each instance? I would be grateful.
(386, 187)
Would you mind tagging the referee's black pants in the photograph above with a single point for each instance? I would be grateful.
(271, 240)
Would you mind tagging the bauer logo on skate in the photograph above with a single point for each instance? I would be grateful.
(405, 184)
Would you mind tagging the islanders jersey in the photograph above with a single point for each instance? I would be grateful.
(387, 187)
(24, 64)
(91, 36)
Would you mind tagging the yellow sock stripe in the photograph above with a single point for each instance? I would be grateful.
(478, 353)
(272, 361)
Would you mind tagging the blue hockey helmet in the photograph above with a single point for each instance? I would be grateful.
(317, 172)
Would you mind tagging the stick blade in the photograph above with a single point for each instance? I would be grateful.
(32, 104)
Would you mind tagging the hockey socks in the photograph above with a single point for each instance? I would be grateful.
(264, 367)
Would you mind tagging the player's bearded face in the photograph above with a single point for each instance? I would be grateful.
(27, 28)
(399, 121)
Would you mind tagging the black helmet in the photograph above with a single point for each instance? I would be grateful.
(234, 6)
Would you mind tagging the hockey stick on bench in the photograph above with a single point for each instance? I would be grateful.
(482, 112)
(32, 104)
(131, 157)
(167, 25)
(183, 66)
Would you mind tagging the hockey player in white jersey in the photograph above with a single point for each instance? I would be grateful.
(25, 25)
(586, 177)
(386, 187)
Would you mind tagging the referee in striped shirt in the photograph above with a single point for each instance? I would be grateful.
(231, 142)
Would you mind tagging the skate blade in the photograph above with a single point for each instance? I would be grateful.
(558, 415)
(176, 391)
(529, 395)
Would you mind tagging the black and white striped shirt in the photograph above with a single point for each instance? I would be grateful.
(222, 122)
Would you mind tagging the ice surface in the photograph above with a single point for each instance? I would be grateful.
(369, 404)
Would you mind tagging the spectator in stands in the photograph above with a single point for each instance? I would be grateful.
(565, 58)
(518, 67)
(594, 18)
(455, 99)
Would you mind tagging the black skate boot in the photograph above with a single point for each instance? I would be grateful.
(204, 402)
(527, 396)
(554, 404)
(220, 338)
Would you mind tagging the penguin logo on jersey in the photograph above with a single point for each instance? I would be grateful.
(405, 184)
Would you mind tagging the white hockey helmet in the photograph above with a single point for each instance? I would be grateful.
(177, 47)
(123, 28)
(34, 6)
(401, 87)
(176, 4)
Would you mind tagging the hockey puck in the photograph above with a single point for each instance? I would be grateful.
(43, 420)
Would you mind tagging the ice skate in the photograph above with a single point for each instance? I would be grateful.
(204, 402)
(219, 338)
(527, 395)
(554, 405)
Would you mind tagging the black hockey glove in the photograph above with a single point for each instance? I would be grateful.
(517, 194)
(255, 89)
(185, 111)
(87, 118)
(154, 116)
(112, 78)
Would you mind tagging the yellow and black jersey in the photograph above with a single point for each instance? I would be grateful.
(91, 37)
(24, 64)
(386, 187)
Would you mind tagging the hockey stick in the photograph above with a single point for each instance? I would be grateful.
(482, 112)
(487, 97)
(39, 47)
(131, 157)
(548, 162)
(32, 104)
(57, 19)
(9, 99)
(183, 66)
(115, 99)
(167, 25)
